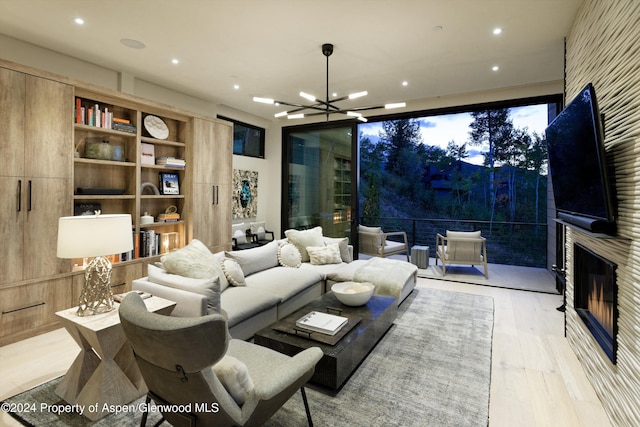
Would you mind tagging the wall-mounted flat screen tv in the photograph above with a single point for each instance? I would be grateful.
(582, 188)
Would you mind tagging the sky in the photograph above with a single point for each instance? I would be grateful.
(439, 130)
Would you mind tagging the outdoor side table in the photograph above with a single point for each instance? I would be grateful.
(420, 256)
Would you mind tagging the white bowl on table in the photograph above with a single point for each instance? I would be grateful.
(353, 293)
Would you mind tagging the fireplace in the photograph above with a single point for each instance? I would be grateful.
(596, 294)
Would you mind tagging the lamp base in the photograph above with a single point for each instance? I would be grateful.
(96, 296)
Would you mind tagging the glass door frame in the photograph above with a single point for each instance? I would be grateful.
(286, 160)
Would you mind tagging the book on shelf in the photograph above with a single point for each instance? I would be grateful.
(169, 183)
(324, 323)
(147, 154)
(171, 162)
(169, 217)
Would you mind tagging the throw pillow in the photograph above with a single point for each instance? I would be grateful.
(343, 244)
(209, 287)
(233, 272)
(304, 238)
(234, 376)
(256, 259)
(289, 255)
(375, 230)
(321, 255)
(194, 260)
(239, 232)
(258, 228)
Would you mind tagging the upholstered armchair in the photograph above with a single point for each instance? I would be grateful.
(373, 241)
(192, 360)
(461, 247)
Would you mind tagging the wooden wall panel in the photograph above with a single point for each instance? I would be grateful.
(603, 48)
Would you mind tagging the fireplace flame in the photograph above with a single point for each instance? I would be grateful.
(601, 309)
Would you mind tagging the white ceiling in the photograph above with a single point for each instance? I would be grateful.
(273, 48)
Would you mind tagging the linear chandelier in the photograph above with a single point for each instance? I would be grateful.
(326, 107)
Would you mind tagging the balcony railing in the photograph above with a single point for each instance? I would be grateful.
(511, 243)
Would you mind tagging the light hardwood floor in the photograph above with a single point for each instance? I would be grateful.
(536, 379)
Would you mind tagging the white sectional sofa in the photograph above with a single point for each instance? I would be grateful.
(258, 286)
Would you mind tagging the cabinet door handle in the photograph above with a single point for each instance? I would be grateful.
(217, 195)
(19, 195)
(29, 205)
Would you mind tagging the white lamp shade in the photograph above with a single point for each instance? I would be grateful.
(94, 235)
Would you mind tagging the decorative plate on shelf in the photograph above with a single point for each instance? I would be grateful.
(156, 127)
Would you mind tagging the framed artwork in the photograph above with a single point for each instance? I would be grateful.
(245, 194)
(169, 183)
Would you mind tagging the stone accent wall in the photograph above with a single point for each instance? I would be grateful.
(603, 47)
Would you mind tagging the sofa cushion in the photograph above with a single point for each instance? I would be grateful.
(194, 260)
(343, 244)
(259, 229)
(224, 283)
(241, 303)
(256, 259)
(209, 287)
(233, 272)
(304, 238)
(283, 282)
(289, 255)
(239, 232)
(234, 376)
(321, 255)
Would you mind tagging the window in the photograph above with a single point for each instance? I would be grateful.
(248, 140)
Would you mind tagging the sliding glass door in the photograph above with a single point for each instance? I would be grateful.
(319, 178)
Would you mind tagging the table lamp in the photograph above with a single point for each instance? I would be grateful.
(95, 236)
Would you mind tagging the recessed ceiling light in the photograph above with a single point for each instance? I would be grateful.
(175, 61)
(236, 87)
(79, 21)
(405, 83)
(495, 68)
(497, 31)
(133, 44)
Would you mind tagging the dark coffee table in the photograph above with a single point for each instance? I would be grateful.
(342, 359)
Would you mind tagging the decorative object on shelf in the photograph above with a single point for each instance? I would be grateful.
(146, 219)
(82, 208)
(169, 242)
(326, 107)
(169, 183)
(245, 194)
(156, 127)
(170, 215)
(151, 186)
(94, 236)
(171, 162)
(147, 154)
(100, 191)
(97, 148)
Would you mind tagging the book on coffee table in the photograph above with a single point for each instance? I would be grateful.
(324, 323)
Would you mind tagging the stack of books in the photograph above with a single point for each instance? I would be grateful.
(324, 323)
(123, 125)
(169, 217)
(171, 162)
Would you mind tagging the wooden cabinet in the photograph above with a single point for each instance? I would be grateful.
(35, 141)
(58, 164)
(32, 307)
(212, 162)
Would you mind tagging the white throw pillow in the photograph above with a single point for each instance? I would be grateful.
(304, 238)
(321, 255)
(258, 228)
(210, 287)
(234, 376)
(233, 272)
(256, 259)
(343, 244)
(194, 260)
(239, 232)
(289, 255)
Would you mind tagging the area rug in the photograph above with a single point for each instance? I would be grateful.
(433, 368)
